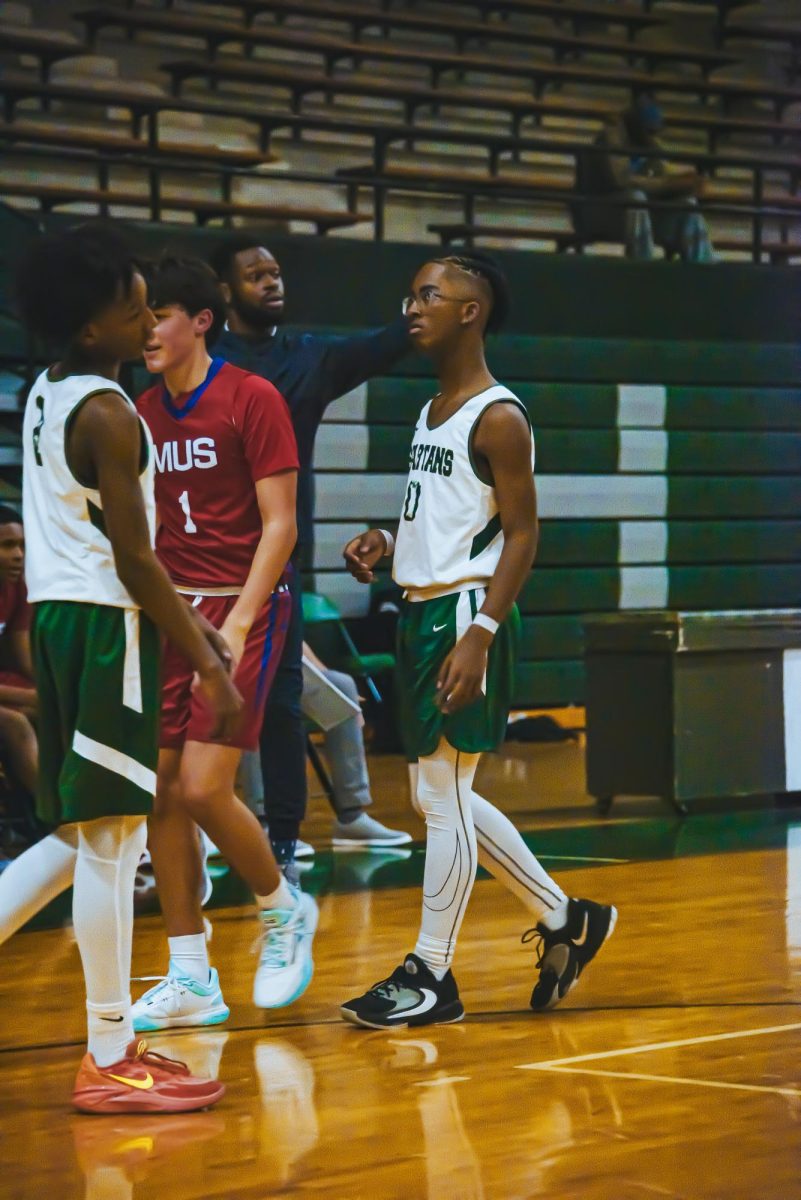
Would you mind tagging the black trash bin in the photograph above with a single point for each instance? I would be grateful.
(692, 705)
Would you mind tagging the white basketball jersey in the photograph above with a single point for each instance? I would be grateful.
(68, 555)
(450, 535)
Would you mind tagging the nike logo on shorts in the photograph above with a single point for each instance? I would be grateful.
(439, 628)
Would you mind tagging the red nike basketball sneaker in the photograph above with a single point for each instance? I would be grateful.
(142, 1082)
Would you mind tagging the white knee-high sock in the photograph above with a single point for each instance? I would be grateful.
(502, 852)
(444, 789)
(36, 878)
(109, 850)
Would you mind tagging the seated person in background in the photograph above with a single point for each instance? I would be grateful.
(353, 827)
(629, 176)
(18, 744)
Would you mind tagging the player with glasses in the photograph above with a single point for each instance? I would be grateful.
(464, 548)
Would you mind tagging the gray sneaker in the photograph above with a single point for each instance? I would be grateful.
(364, 833)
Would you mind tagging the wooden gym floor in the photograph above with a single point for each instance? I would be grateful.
(672, 1071)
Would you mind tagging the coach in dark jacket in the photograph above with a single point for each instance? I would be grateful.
(310, 371)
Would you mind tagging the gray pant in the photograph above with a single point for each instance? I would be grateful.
(344, 752)
(683, 231)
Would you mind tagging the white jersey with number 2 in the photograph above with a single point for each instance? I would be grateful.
(68, 555)
(450, 536)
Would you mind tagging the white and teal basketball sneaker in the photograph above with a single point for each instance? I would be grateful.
(285, 952)
(178, 1002)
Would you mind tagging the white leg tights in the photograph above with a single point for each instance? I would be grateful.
(109, 850)
(444, 792)
(36, 878)
(500, 850)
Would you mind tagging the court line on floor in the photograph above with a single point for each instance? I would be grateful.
(678, 1079)
(653, 1046)
(497, 1015)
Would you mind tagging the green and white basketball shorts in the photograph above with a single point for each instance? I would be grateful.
(97, 676)
(427, 632)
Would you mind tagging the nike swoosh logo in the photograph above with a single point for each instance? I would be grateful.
(439, 628)
(579, 941)
(114, 1019)
(143, 1084)
(428, 1002)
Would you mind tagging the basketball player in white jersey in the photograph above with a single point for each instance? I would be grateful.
(101, 601)
(464, 547)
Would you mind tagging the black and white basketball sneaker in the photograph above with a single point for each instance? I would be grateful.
(564, 953)
(411, 996)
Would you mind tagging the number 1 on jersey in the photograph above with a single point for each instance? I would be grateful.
(183, 500)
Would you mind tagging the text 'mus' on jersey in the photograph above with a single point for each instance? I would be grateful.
(68, 555)
(211, 448)
(450, 536)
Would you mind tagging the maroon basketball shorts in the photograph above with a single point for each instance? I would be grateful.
(185, 717)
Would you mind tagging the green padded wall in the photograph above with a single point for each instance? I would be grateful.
(668, 475)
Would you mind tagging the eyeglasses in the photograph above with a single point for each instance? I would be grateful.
(426, 295)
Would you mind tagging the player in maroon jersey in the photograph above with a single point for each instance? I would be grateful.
(226, 473)
(17, 690)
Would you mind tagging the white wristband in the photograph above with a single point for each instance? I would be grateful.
(488, 623)
(390, 542)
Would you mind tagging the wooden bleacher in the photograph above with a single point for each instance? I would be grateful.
(630, 16)
(216, 33)
(53, 196)
(46, 47)
(540, 75)
(438, 62)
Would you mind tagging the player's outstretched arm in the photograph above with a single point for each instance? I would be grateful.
(104, 450)
(362, 553)
(503, 442)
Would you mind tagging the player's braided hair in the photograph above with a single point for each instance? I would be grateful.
(474, 262)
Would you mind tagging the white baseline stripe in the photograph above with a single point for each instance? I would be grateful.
(116, 761)
(680, 1079)
(696, 1041)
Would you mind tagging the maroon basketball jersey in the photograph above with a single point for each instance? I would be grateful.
(212, 446)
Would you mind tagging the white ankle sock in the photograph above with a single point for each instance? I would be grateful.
(282, 897)
(110, 1030)
(190, 956)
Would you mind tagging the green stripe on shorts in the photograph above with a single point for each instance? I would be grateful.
(427, 632)
(97, 677)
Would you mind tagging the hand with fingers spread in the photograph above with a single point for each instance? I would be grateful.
(461, 676)
(362, 553)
